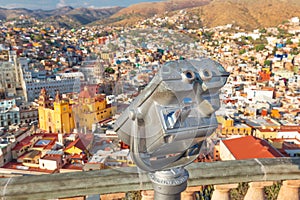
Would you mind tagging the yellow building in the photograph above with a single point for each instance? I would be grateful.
(90, 109)
(63, 115)
(230, 128)
(265, 133)
(57, 116)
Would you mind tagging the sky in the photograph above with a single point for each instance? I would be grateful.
(52, 4)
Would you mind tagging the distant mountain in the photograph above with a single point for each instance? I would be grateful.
(247, 14)
(83, 16)
(13, 13)
(136, 12)
(67, 16)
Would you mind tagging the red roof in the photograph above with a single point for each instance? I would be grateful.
(250, 147)
(25, 142)
(289, 128)
(82, 142)
(77, 143)
(53, 157)
(72, 166)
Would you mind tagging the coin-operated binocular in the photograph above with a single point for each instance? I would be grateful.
(167, 123)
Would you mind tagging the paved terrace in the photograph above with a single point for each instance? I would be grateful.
(224, 175)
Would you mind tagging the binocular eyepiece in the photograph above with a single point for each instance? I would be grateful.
(167, 123)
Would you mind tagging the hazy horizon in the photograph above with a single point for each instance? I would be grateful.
(52, 4)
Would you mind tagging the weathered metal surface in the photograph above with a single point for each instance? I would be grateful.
(129, 179)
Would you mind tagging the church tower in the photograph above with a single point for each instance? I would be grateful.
(64, 121)
(44, 103)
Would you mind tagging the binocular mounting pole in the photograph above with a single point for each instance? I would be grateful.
(169, 184)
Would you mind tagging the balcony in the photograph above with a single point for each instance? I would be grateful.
(224, 175)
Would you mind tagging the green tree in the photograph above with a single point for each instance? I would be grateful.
(263, 30)
(289, 41)
(267, 62)
(109, 70)
(259, 47)
(208, 35)
(295, 51)
(242, 51)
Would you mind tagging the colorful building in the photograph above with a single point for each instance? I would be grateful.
(231, 128)
(63, 115)
(55, 116)
(90, 109)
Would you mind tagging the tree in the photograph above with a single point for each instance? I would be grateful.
(289, 41)
(242, 51)
(259, 47)
(109, 70)
(295, 51)
(208, 35)
(263, 30)
(267, 62)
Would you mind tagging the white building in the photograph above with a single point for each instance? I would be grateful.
(92, 71)
(65, 83)
(8, 78)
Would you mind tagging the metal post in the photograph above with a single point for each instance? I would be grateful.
(169, 184)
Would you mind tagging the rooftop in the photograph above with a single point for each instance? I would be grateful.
(250, 147)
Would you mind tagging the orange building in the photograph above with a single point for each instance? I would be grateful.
(264, 75)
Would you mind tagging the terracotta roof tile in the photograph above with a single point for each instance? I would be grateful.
(249, 147)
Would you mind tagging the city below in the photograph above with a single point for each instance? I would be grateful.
(62, 89)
